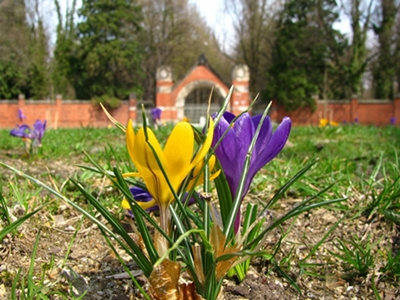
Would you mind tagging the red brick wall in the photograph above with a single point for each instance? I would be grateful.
(368, 112)
(82, 113)
(63, 113)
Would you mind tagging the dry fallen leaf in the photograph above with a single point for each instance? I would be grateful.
(217, 240)
(164, 283)
(164, 280)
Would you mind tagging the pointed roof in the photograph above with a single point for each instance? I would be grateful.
(202, 61)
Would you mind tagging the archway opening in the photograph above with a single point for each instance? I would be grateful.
(196, 104)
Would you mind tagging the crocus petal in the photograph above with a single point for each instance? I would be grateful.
(140, 194)
(164, 171)
(38, 131)
(198, 173)
(264, 136)
(274, 146)
(144, 160)
(149, 206)
(21, 115)
(205, 146)
(145, 200)
(130, 139)
(147, 165)
(178, 152)
(233, 148)
(244, 130)
(21, 131)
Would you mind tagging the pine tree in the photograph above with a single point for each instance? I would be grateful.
(301, 55)
(106, 56)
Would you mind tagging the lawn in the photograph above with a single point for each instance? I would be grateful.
(349, 249)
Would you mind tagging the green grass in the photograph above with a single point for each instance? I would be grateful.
(362, 163)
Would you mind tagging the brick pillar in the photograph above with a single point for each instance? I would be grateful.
(240, 99)
(164, 85)
(396, 109)
(132, 109)
(274, 112)
(58, 111)
(21, 101)
(353, 109)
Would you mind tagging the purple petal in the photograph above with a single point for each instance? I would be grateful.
(156, 113)
(264, 136)
(244, 130)
(274, 146)
(228, 116)
(21, 115)
(23, 131)
(227, 152)
(39, 129)
(141, 195)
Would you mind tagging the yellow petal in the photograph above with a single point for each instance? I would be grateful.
(198, 173)
(206, 145)
(178, 153)
(130, 139)
(147, 164)
(131, 174)
(142, 204)
(125, 204)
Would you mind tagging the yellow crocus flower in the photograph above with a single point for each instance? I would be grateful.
(176, 159)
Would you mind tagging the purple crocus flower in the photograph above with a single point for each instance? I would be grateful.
(35, 133)
(21, 115)
(38, 131)
(392, 121)
(156, 113)
(232, 150)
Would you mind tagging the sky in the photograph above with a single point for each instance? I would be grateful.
(213, 12)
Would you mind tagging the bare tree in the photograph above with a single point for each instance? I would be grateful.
(383, 68)
(174, 34)
(254, 23)
(359, 13)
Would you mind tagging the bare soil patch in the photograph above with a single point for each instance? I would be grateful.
(91, 266)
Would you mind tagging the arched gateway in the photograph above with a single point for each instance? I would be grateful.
(175, 98)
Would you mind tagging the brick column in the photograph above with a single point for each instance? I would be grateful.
(132, 109)
(21, 101)
(240, 99)
(396, 109)
(353, 108)
(164, 99)
(58, 111)
(274, 111)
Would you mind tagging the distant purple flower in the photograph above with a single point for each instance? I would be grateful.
(21, 115)
(38, 131)
(35, 133)
(392, 121)
(156, 113)
(356, 120)
(233, 148)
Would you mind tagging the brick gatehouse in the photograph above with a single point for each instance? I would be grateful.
(171, 96)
